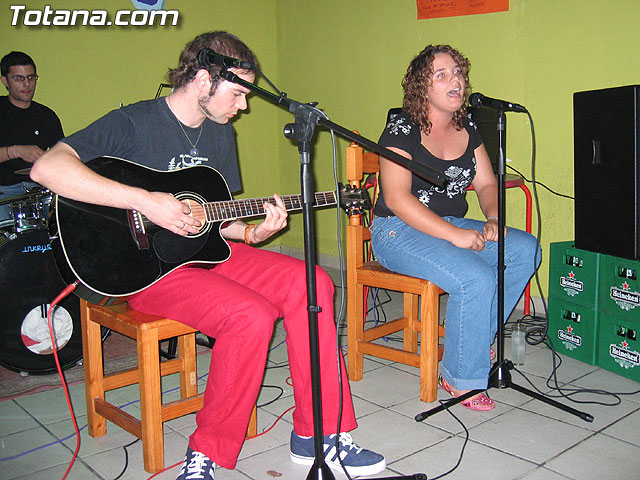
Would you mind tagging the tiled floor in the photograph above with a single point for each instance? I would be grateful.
(522, 438)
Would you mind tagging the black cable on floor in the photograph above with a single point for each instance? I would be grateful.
(466, 440)
(126, 458)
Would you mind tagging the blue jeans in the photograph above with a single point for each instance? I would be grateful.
(471, 280)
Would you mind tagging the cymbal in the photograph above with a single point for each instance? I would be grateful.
(23, 171)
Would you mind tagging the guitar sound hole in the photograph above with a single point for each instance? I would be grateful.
(197, 210)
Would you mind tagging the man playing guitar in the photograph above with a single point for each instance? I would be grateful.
(236, 301)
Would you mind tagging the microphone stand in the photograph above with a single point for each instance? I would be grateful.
(500, 376)
(306, 117)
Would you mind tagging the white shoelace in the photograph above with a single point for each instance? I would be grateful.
(346, 441)
(196, 466)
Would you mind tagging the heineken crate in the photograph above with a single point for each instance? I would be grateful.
(619, 287)
(618, 346)
(573, 330)
(573, 274)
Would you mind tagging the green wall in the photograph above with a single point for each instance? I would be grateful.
(350, 56)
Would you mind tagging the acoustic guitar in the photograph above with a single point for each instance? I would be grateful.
(115, 253)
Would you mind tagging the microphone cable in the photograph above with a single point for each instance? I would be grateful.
(340, 317)
(528, 180)
(540, 332)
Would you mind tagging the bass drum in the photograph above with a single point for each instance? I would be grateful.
(29, 282)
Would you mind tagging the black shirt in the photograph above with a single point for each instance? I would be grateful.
(36, 125)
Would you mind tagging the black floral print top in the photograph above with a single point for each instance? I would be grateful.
(449, 200)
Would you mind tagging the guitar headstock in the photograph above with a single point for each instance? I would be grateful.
(354, 200)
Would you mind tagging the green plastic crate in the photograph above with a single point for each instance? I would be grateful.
(619, 287)
(573, 330)
(619, 348)
(573, 274)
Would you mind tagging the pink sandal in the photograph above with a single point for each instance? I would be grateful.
(479, 403)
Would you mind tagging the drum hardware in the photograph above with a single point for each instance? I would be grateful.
(26, 195)
(28, 211)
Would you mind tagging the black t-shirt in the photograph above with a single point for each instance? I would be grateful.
(36, 125)
(147, 133)
(449, 200)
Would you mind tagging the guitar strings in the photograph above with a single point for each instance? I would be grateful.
(224, 210)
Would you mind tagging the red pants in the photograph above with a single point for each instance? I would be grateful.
(237, 303)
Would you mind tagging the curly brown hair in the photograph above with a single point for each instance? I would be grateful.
(223, 43)
(419, 76)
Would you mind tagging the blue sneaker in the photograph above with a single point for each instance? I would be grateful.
(196, 466)
(357, 460)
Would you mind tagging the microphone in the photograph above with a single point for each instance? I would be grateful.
(479, 100)
(209, 58)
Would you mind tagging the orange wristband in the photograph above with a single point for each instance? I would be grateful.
(246, 233)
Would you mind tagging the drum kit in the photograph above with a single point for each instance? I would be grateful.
(29, 281)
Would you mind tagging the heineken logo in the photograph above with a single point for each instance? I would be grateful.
(571, 285)
(570, 339)
(624, 298)
(625, 358)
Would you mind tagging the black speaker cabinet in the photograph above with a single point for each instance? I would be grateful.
(606, 126)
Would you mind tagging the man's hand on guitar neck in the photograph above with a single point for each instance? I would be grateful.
(275, 220)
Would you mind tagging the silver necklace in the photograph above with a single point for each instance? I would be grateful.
(194, 151)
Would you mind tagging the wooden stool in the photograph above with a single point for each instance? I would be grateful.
(147, 331)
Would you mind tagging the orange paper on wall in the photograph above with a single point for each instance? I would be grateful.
(454, 8)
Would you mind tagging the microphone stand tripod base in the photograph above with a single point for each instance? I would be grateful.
(446, 404)
(501, 376)
(504, 381)
(320, 472)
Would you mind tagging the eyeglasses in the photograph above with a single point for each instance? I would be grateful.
(21, 78)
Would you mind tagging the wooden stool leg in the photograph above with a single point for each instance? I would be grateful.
(189, 372)
(355, 331)
(252, 430)
(429, 344)
(410, 337)
(93, 371)
(150, 400)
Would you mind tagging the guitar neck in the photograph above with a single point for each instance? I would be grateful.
(252, 207)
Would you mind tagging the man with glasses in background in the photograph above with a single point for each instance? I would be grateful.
(27, 128)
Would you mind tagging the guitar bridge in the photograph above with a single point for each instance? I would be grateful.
(138, 231)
